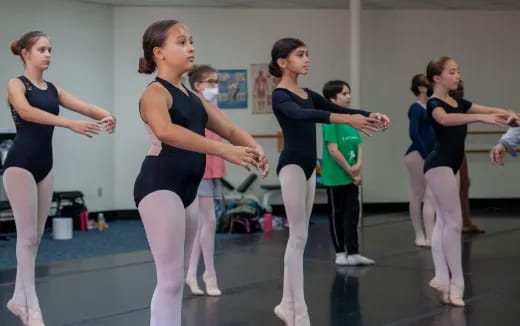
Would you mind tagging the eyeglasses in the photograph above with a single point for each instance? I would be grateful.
(211, 82)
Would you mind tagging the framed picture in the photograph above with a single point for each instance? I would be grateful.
(232, 89)
(263, 85)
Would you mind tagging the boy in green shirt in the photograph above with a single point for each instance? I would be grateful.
(341, 168)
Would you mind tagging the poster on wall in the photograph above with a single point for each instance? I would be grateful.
(263, 85)
(232, 89)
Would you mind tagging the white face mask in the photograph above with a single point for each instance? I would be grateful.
(211, 94)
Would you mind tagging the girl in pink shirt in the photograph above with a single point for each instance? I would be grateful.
(204, 81)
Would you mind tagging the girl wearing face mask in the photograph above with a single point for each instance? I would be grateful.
(204, 81)
(450, 117)
(28, 175)
(297, 111)
(165, 190)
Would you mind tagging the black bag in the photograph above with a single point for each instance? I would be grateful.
(74, 211)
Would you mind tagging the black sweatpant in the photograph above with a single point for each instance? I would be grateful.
(343, 217)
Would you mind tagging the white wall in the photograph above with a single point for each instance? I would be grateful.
(395, 46)
(225, 39)
(81, 36)
(96, 49)
(398, 44)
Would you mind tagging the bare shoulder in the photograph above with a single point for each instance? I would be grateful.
(156, 92)
(15, 83)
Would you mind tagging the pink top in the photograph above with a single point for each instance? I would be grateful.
(215, 166)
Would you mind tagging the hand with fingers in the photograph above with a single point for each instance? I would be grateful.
(263, 164)
(356, 170)
(497, 153)
(384, 120)
(85, 128)
(240, 155)
(497, 119)
(513, 120)
(357, 121)
(108, 123)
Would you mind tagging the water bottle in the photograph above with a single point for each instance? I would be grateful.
(101, 222)
(268, 222)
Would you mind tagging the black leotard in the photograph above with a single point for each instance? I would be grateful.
(175, 169)
(297, 118)
(32, 146)
(449, 141)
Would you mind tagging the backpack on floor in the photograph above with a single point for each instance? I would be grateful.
(243, 218)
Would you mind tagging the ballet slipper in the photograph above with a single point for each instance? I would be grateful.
(283, 312)
(456, 297)
(442, 291)
(302, 320)
(211, 285)
(18, 310)
(194, 287)
(35, 317)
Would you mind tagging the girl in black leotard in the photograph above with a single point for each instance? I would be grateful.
(298, 110)
(166, 187)
(28, 177)
(450, 117)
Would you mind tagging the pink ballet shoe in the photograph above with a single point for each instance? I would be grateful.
(442, 291)
(18, 310)
(194, 287)
(456, 297)
(35, 317)
(434, 283)
(302, 320)
(286, 315)
(211, 285)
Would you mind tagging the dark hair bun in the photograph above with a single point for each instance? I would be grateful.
(275, 70)
(15, 47)
(146, 67)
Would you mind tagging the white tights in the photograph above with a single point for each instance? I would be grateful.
(298, 199)
(30, 203)
(170, 229)
(204, 239)
(420, 195)
(446, 238)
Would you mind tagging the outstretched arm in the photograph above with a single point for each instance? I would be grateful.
(155, 104)
(16, 97)
(219, 124)
(72, 103)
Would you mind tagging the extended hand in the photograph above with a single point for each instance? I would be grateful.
(497, 153)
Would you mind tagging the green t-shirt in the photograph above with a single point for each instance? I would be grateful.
(348, 140)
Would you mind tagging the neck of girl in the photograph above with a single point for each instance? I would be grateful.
(173, 78)
(441, 92)
(34, 75)
(422, 99)
(289, 80)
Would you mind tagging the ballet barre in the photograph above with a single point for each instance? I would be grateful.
(278, 136)
(470, 151)
(484, 132)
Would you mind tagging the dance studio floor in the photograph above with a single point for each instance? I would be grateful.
(115, 290)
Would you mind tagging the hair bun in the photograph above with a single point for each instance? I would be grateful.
(146, 67)
(15, 47)
(274, 69)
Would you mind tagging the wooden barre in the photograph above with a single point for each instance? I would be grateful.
(278, 136)
(485, 132)
(483, 150)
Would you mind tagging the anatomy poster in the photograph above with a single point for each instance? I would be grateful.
(263, 85)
